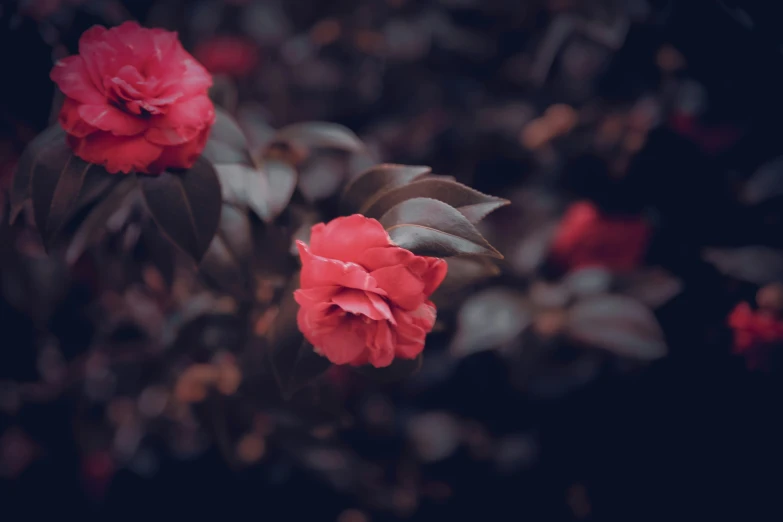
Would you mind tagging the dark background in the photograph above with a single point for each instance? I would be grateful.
(694, 436)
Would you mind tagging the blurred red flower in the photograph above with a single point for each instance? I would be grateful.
(587, 238)
(362, 299)
(711, 140)
(756, 333)
(135, 100)
(228, 55)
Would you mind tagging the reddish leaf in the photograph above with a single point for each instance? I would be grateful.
(471, 203)
(366, 188)
(430, 227)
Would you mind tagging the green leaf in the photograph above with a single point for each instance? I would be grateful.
(369, 186)
(471, 203)
(430, 227)
(318, 134)
(185, 205)
(56, 193)
(44, 150)
(266, 191)
(226, 260)
(93, 225)
(227, 142)
(398, 370)
(294, 361)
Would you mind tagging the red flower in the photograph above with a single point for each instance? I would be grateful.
(228, 55)
(362, 299)
(135, 100)
(586, 238)
(756, 332)
(711, 140)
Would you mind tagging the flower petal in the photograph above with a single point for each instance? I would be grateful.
(319, 271)
(339, 341)
(71, 76)
(111, 119)
(412, 329)
(182, 156)
(346, 238)
(182, 122)
(71, 122)
(367, 304)
(116, 153)
(402, 287)
(380, 344)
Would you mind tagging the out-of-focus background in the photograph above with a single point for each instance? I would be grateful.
(622, 364)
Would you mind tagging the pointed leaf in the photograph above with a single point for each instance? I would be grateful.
(294, 361)
(398, 370)
(185, 205)
(226, 260)
(651, 286)
(755, 264)
(227, 142)
(95, 222)
(618, 324)
(471, 203)
(370, 185)
(765, 183)
(317, 134)
(42, 150)
(490, 319)
(430, 227)
(245, 186)
(282, 179)
(56, 193)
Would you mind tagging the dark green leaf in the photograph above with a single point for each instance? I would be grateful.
(398, 370)
(317, 134)
(369, 186)
(185, 205)
(282, 179)
(43, 150)
(294, 361)
(93, 225)
(471, 203)
(618, 324)
(266, 191)
(223, 92)
(432, 228)
(227, 142)
(56, 193)
(226, 260)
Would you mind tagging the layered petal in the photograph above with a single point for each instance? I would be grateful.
(70, 120)
(319, 271)
(71, 76)
(366, 304)
(345, 238)
(182, 122)
(110, 119)
(182, 156)
(402, 287)
(115, 153)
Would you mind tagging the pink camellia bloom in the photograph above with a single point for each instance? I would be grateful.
(364, 300)
(756, 334)
(134, 100)
(587, 238)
